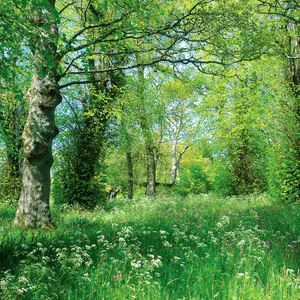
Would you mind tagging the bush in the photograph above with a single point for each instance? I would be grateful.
(224, 184)
(234, 178)
(140, 191)
(10, 185)
(78, 178)
(290, 180)
(284, 174)
(193, 180)
(67, 188)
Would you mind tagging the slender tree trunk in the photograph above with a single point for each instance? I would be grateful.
(178, 174)
(128, 147)
(175, 162)
(151, 180)
(129, 174)
(147, 135)
(174, 171)
(40, 129)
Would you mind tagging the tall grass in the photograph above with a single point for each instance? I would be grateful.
(198, 247)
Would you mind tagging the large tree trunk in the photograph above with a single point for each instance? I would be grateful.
(130, 175)
(40, 129)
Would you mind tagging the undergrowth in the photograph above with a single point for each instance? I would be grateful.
(196, 247)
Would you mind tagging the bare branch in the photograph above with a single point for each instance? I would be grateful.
(64, 8)
(85, 12)
(91, 26)
(81, 82)
(185, 61)
(130, 35)
(69, 65)
(71, 107)
(182, 152)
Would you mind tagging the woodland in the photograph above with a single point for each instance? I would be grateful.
(149, 149)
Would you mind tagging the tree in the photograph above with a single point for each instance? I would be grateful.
(286, 49)
(197, 174)
(147, 135)
(78, 179)
(179, 97)
(176, 32)
(234, 108)
(12, 119)
(138, 114)
(128, 140)
(14, 78)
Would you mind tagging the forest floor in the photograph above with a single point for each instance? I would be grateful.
(197, 247)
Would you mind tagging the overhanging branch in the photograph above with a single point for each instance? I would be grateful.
(64, 8)
(81, 82)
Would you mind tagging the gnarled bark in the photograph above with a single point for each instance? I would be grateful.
(40, 129)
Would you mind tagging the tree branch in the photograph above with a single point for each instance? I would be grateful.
(142, 34)
(64, 8)
(81, 82)
(153, 62)
(85, 12)
(182, 152)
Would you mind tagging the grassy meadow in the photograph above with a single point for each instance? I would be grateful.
(197, 247)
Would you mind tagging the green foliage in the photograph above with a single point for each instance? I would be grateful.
(274, 173)
(78, 172)
(241, 172)
(140, 191)
(9, 189)
(116, 166)
(78, 178)
(69, 188)
(238, 113)
(240, 135)
(167, 248)
(116, 170)
(9, 186)
(228, 182)
(284, 151)
(14, 81)
(194, 180)
(196, 173)
(224, 181)
(290, 184)
(284, 175)
(13, 113)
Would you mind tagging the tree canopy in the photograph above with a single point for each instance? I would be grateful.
(162, 76)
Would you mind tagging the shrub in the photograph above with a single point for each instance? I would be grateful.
(70, 189)
(224, 183)
(78, 179)
(193, 180)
